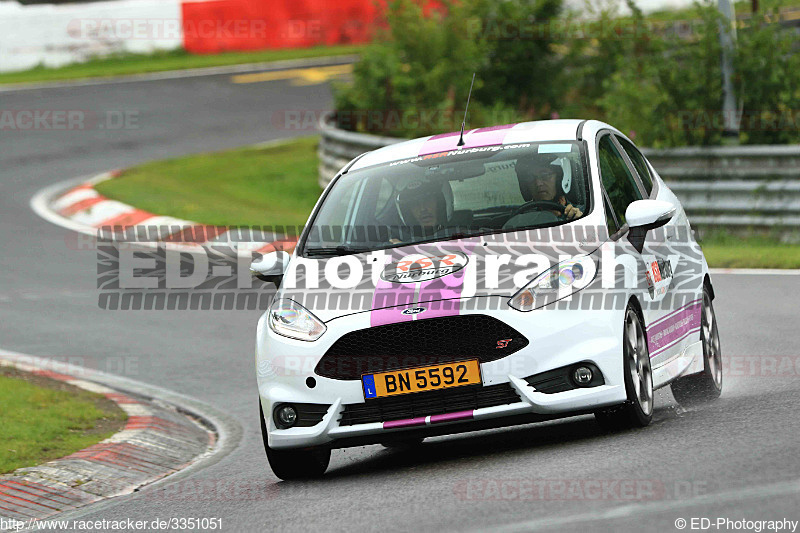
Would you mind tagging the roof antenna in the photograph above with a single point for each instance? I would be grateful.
(464, 122)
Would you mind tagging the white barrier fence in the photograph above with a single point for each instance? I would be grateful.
(56, 35)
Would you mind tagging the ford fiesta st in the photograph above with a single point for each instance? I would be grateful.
(453, 283)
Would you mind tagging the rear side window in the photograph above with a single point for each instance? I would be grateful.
(617, 178)
(639, 163)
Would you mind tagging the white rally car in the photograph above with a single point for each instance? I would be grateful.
(459, 282)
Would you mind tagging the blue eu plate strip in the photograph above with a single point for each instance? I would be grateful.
(369, 386)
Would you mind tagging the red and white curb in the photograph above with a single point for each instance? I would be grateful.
(159, 440)
(78, 206)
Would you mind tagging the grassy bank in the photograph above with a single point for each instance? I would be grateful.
(43, 419)
(272, 186)
(727, 251)
(128, 64)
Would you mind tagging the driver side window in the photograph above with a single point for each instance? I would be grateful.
(617, 179)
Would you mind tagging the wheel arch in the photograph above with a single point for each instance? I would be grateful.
(707, 283)
(633, 301)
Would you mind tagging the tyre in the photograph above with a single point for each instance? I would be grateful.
(637, 411)
(704, 386)
(306, 463)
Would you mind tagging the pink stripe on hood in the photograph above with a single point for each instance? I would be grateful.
(444, 294)
(388, 302)
(441, 296)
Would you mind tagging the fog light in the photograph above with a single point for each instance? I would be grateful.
(582, 375)
(285, 416)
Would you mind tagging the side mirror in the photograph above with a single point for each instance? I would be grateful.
(649, 213)
(271, 267)
(644, 215)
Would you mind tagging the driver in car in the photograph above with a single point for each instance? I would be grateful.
(540, 180)
(421, 208)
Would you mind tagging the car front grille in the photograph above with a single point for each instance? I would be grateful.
(428, 403)
(418, 343)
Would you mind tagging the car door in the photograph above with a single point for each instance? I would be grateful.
(621, 186)
(680, 266)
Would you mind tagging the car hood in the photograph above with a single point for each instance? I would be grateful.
(437, 276)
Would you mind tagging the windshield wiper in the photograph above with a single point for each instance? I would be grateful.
(338, 250)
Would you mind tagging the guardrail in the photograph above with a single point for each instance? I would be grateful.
(338, 147)
(735, 187)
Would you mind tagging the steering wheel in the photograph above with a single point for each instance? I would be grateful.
(543, 205)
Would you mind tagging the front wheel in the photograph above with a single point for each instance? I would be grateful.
(704, 386)
(637, 411)
(306, 463)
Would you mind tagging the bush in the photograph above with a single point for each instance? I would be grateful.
(666, 89)
(522, 70)
(654, 78)
(416, 80)
(768, 75)
(667, 86)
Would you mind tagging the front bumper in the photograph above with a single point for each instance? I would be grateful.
(557, 339)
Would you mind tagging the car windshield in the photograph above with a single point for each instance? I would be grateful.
(449, 195)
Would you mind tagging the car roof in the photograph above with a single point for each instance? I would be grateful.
(536, 131)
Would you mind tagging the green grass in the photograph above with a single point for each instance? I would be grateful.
(270, 186)
(39, 424)
(127, 64)
(727, 251)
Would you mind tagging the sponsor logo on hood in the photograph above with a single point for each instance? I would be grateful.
(416, 268)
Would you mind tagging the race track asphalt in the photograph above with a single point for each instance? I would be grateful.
(737, 458)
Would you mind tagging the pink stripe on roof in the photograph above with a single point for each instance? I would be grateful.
(472, 139)
(440, 143)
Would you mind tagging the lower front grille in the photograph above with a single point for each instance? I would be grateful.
(428, 403)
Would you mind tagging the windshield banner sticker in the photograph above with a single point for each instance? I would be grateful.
(495, 148)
